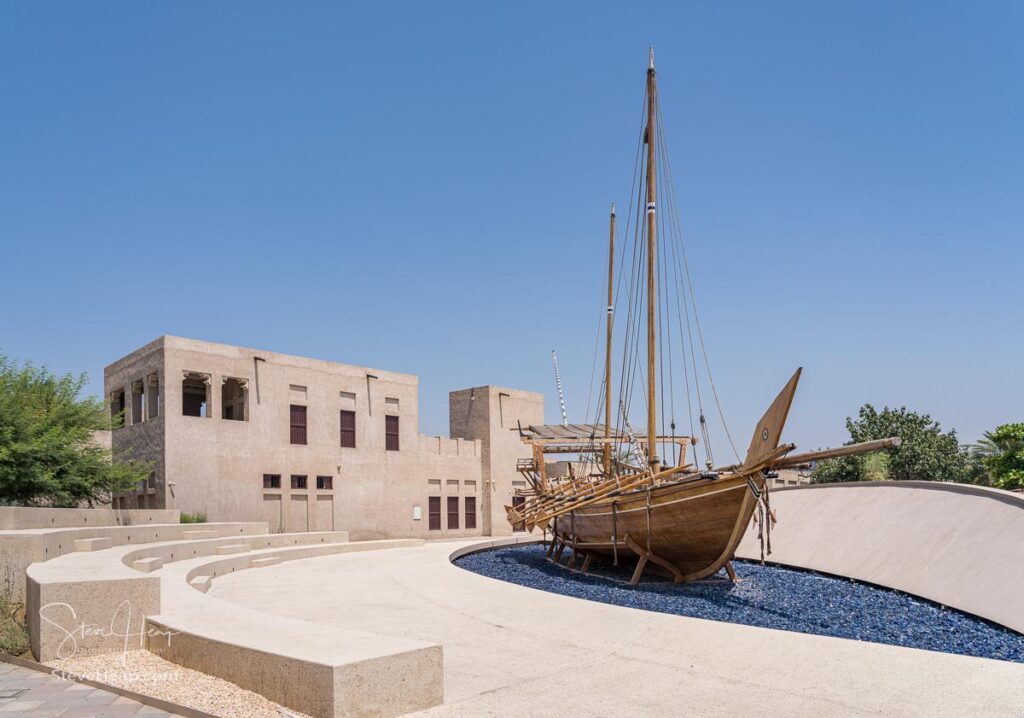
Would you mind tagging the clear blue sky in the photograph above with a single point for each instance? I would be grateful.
(406, 185)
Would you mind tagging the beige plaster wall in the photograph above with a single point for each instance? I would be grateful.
(492, 414)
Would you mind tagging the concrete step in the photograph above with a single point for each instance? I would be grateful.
(200, 534)
(264, 561)
(148, 564)
(230, 548)
(200, 583)
(93, 544)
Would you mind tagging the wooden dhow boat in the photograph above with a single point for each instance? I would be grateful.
(618, 497)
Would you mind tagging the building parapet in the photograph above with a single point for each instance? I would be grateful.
(443, 446)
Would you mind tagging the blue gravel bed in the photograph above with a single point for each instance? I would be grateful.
(768, 596)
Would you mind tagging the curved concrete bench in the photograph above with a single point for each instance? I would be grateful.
(153, 557)
(955, 544)
(102, 601)
(20, 548)
(313, 668)
(96, 602)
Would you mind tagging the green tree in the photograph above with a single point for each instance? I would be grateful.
(47, 453)
(985, 447)
(875, 466)
(1002, 453)
(926, 454)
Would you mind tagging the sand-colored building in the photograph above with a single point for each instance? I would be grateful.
(240, 434)
(796, 476)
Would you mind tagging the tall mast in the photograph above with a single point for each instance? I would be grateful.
(652, 243)
(608, 347)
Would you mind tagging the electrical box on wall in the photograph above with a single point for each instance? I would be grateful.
(417, 513)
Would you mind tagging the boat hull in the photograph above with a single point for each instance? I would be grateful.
(693, 527)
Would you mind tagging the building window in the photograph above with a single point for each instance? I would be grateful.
(138, 397)
(471, 512)
(152, 396)
(117, 409)
(195, 394)
(348, 429)
(271, 481)
(434, 513)
(234, 399)
(298, 424)
(453, 512)
(517, 503)
(391, 433)
(298, 482)
(325, 483)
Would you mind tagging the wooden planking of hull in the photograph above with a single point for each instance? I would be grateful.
(689, 530)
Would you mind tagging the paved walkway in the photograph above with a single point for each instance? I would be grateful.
(510, 650)
(47, 696)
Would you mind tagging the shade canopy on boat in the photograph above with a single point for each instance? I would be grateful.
(565, 431)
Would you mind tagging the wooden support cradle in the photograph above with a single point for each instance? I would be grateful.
(645, 556)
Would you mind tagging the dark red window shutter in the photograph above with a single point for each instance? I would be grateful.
(434, 513)
(348, 429)
(471, 512)
(453, 512)
(391, 433)
(517, 502)
(298, 424)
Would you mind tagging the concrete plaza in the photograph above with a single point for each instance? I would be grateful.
(510, 650)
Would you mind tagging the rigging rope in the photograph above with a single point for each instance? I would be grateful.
(673, 265)
(673, 209)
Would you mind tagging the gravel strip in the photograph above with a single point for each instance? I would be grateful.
(767, 596)
(148, 674)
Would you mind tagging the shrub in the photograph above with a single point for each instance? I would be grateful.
(13, 632)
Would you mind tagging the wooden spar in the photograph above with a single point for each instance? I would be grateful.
(571, 445)
(652, 242)
(849, 450)
(607, 449)
(544, 509)
(546, 515)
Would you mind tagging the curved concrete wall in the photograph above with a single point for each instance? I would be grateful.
(958, 545)
(32, 517)
(19, 549)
